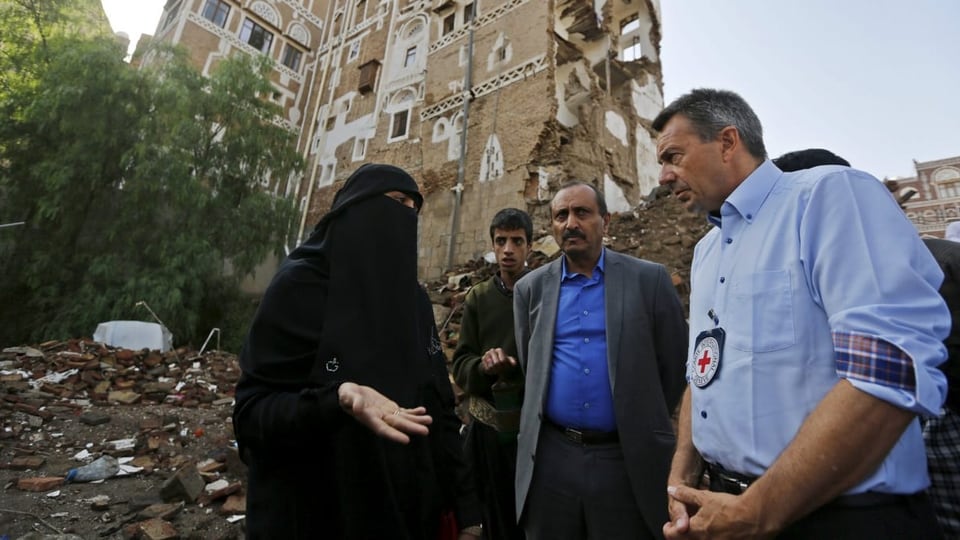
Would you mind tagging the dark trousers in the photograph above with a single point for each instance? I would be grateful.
(854, 517)
(910, 517)
(581, 492)
(494, 465)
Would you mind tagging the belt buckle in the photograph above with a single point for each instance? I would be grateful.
(735, 481)
(573, 435)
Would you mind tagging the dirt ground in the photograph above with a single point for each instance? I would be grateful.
(170, 416)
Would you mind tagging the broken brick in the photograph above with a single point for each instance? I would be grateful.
(24, 463)
(157, 529)
(40, 483)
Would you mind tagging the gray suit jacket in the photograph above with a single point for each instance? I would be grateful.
(646, 354)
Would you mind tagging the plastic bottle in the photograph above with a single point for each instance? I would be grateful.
(103, 467)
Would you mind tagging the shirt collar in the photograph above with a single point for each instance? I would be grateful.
(565, 275)
(749, 196)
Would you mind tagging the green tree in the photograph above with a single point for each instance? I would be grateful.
(135, 186)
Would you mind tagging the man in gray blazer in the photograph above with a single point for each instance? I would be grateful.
(602, 340)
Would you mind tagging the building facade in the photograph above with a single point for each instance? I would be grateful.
(932, 196)
(488, 103)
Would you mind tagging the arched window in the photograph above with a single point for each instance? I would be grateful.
(501, 53)
(298, 33)
(440, 129)
(413, 29)
(947, 180)
(453, 144)
(399, 108)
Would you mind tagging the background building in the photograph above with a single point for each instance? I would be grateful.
(549, 91)
(932, 196)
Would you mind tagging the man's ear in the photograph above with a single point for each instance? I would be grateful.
(729, 138)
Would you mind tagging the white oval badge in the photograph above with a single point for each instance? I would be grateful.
(706, 360)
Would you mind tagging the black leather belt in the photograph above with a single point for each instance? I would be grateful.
(726, 481)
(585, 436)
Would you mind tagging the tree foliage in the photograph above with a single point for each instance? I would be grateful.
(134, 186)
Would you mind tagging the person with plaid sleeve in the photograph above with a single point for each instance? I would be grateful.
(816, 330)
(942, 433)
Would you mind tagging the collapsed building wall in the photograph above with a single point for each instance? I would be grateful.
(552, 91)
(544, 90)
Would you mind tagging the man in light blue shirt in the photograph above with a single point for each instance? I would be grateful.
(601, 339)
(815, 334)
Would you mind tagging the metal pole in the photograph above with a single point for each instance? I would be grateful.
(461, 165)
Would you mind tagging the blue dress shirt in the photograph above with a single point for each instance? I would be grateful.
(579, 393)
(815, 276)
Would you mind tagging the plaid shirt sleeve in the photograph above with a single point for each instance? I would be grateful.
(873, 360)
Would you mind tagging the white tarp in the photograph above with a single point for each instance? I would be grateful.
(134, 335)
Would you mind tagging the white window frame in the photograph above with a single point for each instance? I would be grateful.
(218, 6)
(410, 57)
(247, 31)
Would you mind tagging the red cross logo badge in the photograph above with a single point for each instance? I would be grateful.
(706, 361)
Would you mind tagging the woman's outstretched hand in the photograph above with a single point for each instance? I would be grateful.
(381, 414)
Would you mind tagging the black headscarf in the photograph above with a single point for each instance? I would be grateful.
(345, 304)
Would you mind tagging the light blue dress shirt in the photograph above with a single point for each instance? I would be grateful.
(797, 261)
(579, 393)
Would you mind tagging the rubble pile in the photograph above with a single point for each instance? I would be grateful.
(165, 418)
(84, 369)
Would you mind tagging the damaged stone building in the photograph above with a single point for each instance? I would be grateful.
(488, 103)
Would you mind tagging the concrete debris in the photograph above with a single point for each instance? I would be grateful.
(163, 416)
(83, 370)
(185, 485)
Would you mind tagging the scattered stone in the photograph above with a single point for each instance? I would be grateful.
(235, 504)
(93, 418)
(218, 490)
(146, 463)
(211, 466)
(25, 463)
(123, 396)
(100, 503)
(185, 485)
(162, 511)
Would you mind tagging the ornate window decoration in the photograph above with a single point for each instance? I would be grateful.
(299, 34)
(947, 180)
(491, 166)
(453, 141)
(413, 29)
(441, 129)
(266, 12)
(501, 53)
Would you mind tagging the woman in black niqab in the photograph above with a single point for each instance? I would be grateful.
(345, 307)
